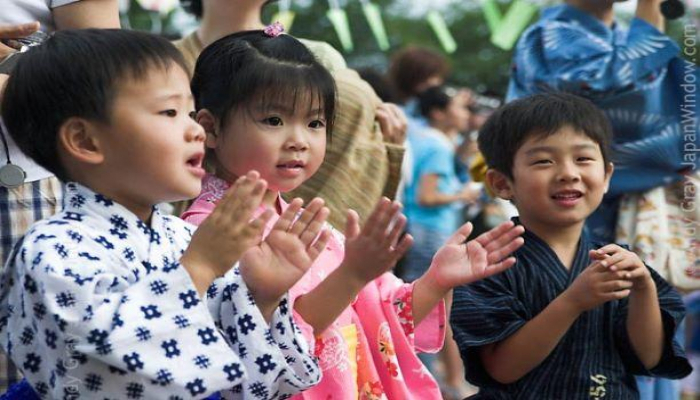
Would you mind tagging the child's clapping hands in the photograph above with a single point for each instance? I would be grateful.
(459, 262)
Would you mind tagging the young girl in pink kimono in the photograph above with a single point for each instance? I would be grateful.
(267, 105)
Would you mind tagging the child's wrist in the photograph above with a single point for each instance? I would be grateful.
(354, 280)
(643, 285)
(568, 303)
(201, 275)
(430, 283)
(267, 307)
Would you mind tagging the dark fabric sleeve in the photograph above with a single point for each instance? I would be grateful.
(673, 364)
(482, 313)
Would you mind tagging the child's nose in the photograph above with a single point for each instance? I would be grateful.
(195, 132)
(569, 172)
(297, 141)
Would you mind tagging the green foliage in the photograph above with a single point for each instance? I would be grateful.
(477, 63)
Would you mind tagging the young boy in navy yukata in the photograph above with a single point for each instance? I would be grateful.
(106, 299)
(573, 319)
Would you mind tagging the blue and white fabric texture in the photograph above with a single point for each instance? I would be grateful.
(95, 304)
(636, 76)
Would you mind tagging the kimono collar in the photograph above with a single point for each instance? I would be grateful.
(84, 205)
(214, 188)
(567, 13)
(530, 236)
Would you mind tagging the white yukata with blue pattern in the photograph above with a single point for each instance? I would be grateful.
(95, 304)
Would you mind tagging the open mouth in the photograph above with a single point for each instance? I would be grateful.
(296, 164)
(567, 196)
(196, 160)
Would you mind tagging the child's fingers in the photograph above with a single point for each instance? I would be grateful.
(615, 286)
(504, 239)
(402, 247)
(615, 261)
(505, 251)
(250, 203)
(307, 216)
(493, 269)
(461, 235)
(636, 273)
(352, 225)
(261, 221)
(319, 245)
(485, 238)
(379, 209)
(384, 227)
(618, 295)
(395, 234)
(610, 249)
(595, 255)
(286, 220)
(246, 193)
(314, 227)
(18, 30)
(379, 227)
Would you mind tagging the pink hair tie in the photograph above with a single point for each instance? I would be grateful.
(274, 29)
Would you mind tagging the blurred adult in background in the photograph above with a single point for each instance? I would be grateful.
(430, 186)
(412, 70)
(38, 195)
(363, 158)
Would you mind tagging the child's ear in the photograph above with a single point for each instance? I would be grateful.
(499, 184)
(79, 140)
(609, 169)
(208, 122)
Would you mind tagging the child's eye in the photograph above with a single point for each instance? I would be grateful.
(584, 159)
(273, 121)
(169, 113)
(542, 162)
(193, 115)
(317, 124)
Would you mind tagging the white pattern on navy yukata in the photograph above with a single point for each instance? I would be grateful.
(96, 305)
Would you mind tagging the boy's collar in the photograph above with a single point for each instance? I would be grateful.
(531, 235)
(80, 199)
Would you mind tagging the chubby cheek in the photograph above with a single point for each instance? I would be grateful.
(317, 159)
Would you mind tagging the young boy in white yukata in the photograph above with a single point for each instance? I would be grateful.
(110, 298)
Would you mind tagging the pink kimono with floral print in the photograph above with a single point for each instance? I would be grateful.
(369, 352)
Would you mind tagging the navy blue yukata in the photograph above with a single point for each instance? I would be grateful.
(95, 304)
(593, 360)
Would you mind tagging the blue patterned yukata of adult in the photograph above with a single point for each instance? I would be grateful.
(636, 76)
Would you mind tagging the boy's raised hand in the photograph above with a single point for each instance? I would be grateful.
(375, 249)
(458, 263)
(228, 232)
(272, 267)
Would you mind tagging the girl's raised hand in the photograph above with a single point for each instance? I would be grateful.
(459, 263)
(271, 268)
(375, 249)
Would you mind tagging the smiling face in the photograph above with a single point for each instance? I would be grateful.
(152, 148)
(558, 180)
(286, 145)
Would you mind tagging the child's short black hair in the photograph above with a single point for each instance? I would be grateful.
(540, 115)
(435, 98)
(249, 70)
(75, 73)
